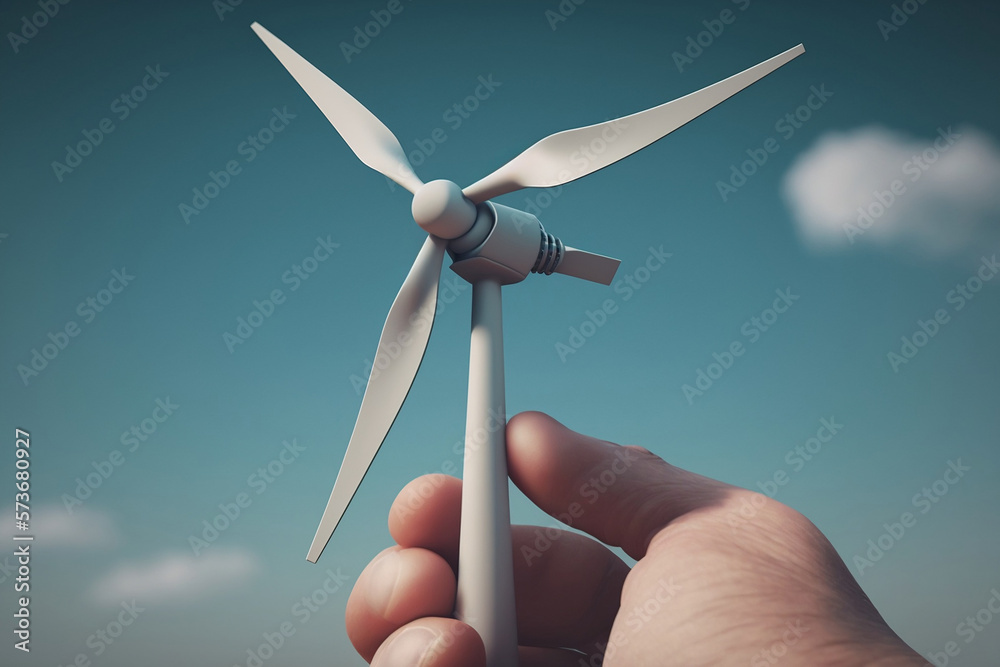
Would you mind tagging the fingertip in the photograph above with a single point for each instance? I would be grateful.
(536, 445)
(413, 497)
(427, 514)
(397, 587)
(542, 451)
(531, 426)
(429, 507)
(432, 642)
(622, 495)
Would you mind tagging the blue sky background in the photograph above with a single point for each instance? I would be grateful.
(162, 336)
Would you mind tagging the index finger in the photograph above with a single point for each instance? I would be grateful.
(623, 496)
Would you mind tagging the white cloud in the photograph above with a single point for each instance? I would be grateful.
(937, 198)
(176, 577)
(52, 526)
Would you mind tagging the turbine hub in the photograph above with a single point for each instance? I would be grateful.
(442, 210)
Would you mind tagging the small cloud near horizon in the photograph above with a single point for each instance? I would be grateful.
(175, 577)
(52, 526)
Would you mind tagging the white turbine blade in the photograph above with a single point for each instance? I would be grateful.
(571, 154)
(407, 329)
(588, 265)
(367, 136)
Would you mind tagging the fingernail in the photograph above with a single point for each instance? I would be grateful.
(408, 649)
(381, 584)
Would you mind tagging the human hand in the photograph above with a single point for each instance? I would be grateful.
(724, 576)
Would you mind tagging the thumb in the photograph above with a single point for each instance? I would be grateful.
(623, 496)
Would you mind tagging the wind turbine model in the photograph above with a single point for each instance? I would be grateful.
(490, 245)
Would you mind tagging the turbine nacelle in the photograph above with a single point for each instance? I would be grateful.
(506, 244)
(493, 240)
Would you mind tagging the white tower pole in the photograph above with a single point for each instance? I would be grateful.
(485, 564)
